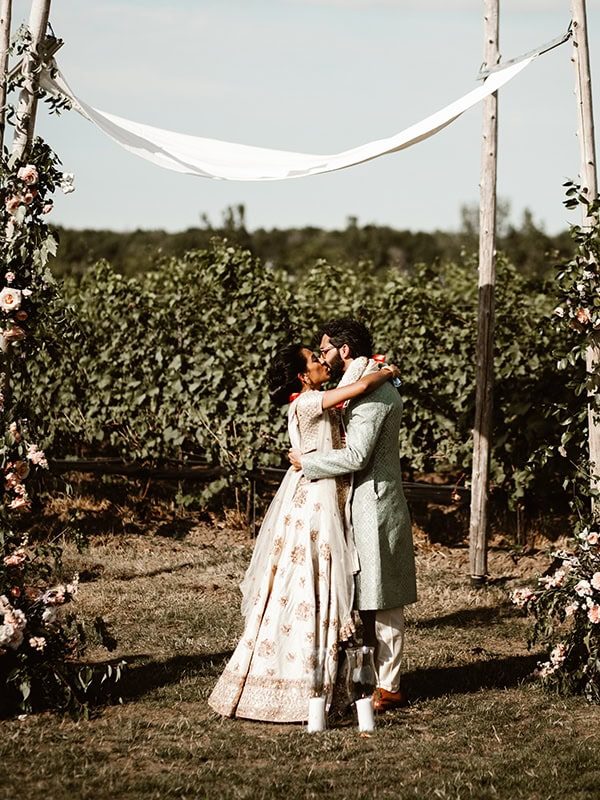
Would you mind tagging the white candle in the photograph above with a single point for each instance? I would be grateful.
(364, 709)
(316, 714)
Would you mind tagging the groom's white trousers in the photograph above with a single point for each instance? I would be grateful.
(385, 630)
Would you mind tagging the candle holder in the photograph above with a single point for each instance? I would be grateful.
(361, 680)
(314, 665)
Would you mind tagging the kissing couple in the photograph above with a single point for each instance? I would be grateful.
(336, 537)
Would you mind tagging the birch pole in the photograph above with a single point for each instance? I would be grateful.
(26, 109)
(5, 22)
(482, 429)
(589, 184)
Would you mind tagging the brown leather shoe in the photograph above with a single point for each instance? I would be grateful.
(387, 701)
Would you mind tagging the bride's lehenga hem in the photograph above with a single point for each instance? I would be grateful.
(261, 698)
(226, 694)
(274, 699)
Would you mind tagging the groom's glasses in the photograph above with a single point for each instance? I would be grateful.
(325, 350)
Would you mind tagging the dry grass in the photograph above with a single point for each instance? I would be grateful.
(477, 727)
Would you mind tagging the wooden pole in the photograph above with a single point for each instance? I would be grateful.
(5, 23)
(25, 118)
(589, 182)
(482, 429)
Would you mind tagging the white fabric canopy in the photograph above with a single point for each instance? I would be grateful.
(211, 158)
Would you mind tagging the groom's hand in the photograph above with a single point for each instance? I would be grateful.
(295, 457)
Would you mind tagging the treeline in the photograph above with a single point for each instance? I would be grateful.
(532, 252)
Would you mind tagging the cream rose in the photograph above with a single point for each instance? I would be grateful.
(10, 299)
(28, 174)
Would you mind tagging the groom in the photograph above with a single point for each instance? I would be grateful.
(386, 580)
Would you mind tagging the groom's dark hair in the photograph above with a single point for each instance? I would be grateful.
(346, 330)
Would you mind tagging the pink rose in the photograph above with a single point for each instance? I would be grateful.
(19, 504)
(15, 559)
(595, 581)
(36, 456)
(28, 174)
(29, 196)
(13, 334)
(21, 469)
(594, 614)
(12, 203)
(583, 316)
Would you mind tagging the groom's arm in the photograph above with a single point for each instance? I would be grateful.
(364, 426)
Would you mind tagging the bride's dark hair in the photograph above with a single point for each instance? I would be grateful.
(282, 375)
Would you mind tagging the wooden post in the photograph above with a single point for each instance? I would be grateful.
(589, 182)
(5, 22)
(482, 429)
(25, 118)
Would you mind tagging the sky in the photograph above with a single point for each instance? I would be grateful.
(315, 76)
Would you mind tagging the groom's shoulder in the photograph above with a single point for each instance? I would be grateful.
(385, 394)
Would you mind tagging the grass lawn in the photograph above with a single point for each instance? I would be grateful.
(477, 727)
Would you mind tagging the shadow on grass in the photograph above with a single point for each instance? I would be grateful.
(493, 673)
(154, 572)
(470, 617)
(140, 679)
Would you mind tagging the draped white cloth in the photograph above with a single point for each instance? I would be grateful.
(211, 158)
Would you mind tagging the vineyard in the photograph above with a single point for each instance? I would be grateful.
(170, 365)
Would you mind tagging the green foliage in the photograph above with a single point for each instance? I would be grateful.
(566, 608)
(171, 364)
(566, 605)
(39, 639)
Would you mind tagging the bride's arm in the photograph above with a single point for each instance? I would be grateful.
(366, 384)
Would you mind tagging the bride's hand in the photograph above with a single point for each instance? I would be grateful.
(295, 457)
(395, 371)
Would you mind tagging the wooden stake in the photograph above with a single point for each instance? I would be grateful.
(5, 22)
(482, 430)
(589, 181)
(25, 118)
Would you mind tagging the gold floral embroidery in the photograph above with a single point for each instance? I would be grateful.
(298, 554)
(314, 535)
(304, 610)
(290, 657)
(266, 648)
(300, 497)
(286, 630)
(317, 507)
(310, 637)
(249, 643)
(283, 601)
(325, 551)
(287, 519)
(302, 581)
(299, 524)
(277, 546)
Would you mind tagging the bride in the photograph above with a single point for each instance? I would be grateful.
(298, 590)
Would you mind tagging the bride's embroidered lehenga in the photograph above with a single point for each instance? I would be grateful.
(298, 590)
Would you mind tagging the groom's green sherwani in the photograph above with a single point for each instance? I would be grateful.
(380, 518)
